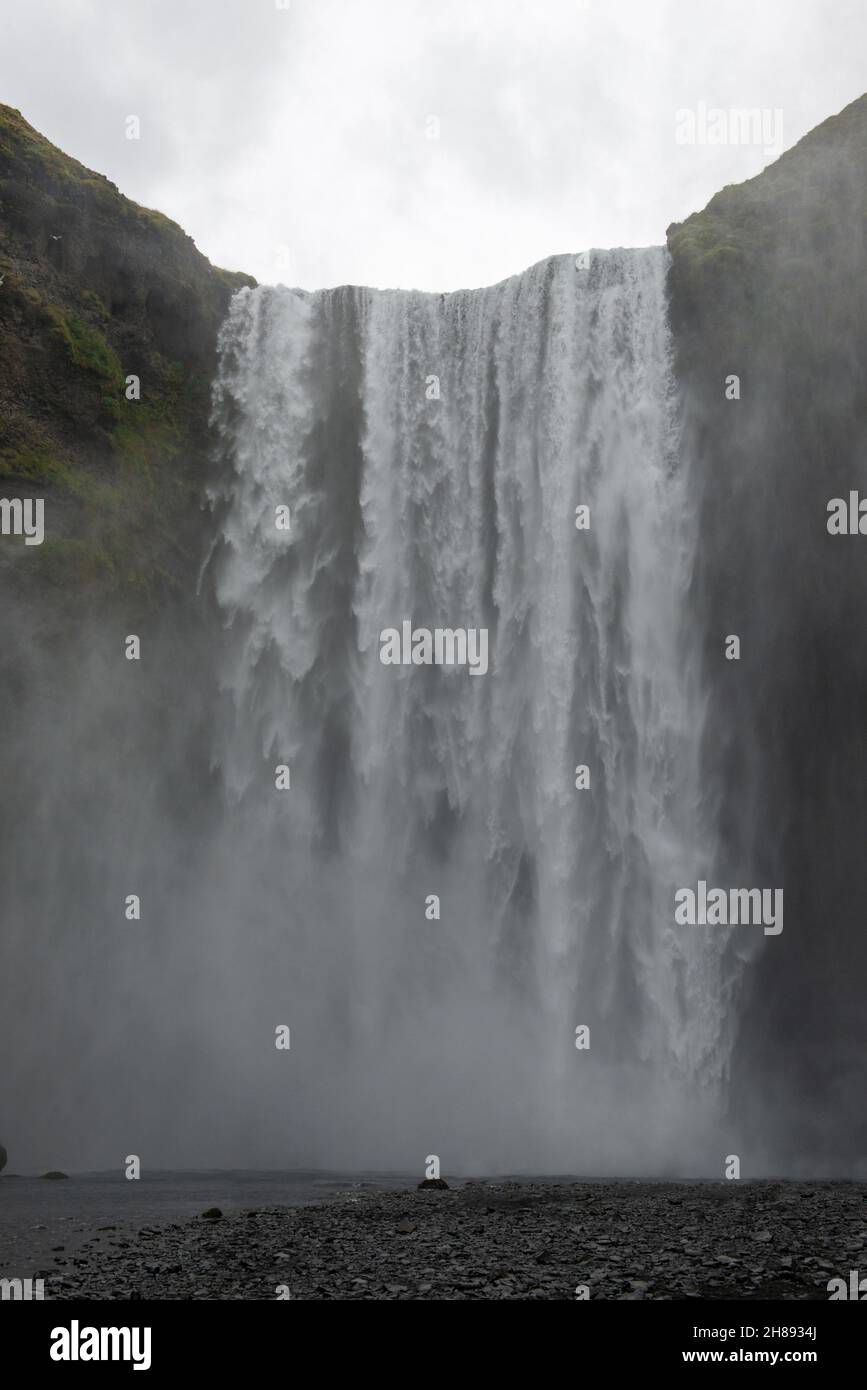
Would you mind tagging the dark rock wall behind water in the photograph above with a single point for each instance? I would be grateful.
(770, 283)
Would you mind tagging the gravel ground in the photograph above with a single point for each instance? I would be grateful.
(495, 1240)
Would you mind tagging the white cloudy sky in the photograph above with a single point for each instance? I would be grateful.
(292, 142)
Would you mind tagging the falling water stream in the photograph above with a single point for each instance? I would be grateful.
(433, 452)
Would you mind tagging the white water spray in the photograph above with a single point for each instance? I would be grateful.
(433, 450)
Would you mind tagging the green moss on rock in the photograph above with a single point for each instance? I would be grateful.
(97, 289)
(32, 464)
(88, 350)
(785, 219)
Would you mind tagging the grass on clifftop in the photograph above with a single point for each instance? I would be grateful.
(790, 209)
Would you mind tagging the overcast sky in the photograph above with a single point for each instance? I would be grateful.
(295, 143)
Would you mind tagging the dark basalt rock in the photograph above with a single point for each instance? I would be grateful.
(439, 1183)
(769, 283)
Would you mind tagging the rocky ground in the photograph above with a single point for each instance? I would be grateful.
(497, 1240)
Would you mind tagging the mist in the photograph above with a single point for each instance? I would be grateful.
(308, 908)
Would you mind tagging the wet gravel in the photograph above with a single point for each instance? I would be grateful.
(495, 1240)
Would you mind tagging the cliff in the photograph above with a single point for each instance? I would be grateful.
(96, 289)
(769, 284)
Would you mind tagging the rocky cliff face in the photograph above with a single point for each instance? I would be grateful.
(769, 283)
(96, 289)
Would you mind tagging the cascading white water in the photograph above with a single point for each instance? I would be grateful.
(433, 450)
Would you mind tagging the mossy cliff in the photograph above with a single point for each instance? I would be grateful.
(96, 289)
(769, 284)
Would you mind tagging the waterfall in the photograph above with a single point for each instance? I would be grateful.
(432, 451)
